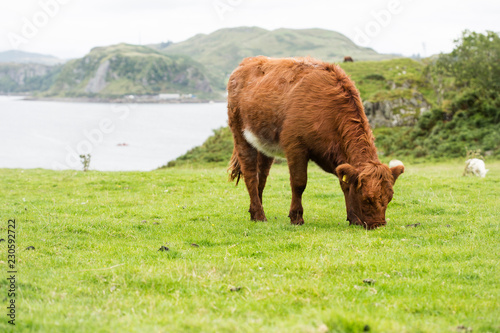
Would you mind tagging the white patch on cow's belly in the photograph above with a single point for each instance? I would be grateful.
(268, 148)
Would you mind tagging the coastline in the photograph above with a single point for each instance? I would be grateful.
(124, 100)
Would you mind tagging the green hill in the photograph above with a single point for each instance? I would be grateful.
(121, 69)
(222, 50)
(21, 57)
(383, 80)
(199, 65)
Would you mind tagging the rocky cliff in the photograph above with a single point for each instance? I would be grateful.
(16, 78)
(399, 111)
(394, 92)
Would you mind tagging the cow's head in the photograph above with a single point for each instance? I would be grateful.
(368, 191)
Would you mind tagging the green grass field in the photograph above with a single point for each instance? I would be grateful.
(96, 266)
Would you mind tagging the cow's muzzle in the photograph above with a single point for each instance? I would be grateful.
(374, 225)
(368, 225)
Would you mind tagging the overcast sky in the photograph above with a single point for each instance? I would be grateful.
(70, 28)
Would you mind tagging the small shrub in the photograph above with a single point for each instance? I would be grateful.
(85, 159)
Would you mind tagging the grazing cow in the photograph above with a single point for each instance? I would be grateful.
(304, 109)
(348, 59)
(476, 167)
(394, 163)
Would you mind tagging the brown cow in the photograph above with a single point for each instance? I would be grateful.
(348, 59)
(304, 109)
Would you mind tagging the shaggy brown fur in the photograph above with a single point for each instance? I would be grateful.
(305, 109)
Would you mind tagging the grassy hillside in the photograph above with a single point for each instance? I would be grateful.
(389, 79)
(96, 264)
(21, 57)
(217, 150)
(467, 115)
(129, 69)
(223, 50)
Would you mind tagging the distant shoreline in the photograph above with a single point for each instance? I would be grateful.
(118, 100)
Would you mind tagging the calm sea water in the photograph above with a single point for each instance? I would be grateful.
(52, 135)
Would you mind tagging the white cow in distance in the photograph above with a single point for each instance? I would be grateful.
(394, 163)
(476, 167)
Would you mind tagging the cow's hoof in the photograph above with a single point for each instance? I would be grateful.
(258, 218)
(297, 222)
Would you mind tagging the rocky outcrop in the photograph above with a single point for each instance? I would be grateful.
(22, 77)
(20, 73)
(396, 112)
(98, 81)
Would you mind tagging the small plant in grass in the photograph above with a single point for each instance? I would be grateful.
(85, 159)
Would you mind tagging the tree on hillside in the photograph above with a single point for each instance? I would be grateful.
(474, 69)
(474, 63)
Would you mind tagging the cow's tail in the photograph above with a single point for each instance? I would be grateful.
(234, 168)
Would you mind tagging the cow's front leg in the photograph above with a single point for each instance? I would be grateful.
(297, 163)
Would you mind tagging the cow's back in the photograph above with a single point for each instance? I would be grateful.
(261, 92)
(261, 84)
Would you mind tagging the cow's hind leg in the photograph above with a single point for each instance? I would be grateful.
(297, 163)
(248, 159)
(264, 163)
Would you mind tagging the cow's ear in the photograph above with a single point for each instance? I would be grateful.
(346, 173)
(396, 171)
